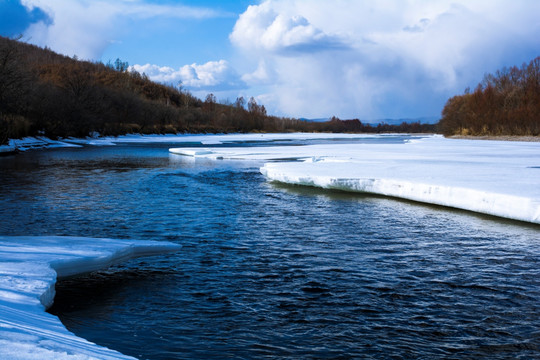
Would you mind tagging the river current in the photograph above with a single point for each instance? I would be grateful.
(273, 271)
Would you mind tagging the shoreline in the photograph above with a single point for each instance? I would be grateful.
(496, 137)
(15, 146)
(41, 142)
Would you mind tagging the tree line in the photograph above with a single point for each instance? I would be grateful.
(44, 93)
(337, 125)
(504, 103)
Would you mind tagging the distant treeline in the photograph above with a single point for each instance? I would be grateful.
(356, 126)
(44, 93)
(507, 103)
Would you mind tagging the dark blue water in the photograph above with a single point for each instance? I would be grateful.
(269, 271)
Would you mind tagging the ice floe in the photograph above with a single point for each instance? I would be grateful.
(492, 177)
(29, 267)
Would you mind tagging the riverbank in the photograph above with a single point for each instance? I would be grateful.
(31, 143)
(41, 142)
(497, 138)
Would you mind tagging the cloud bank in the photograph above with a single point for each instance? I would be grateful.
(379, 59)
(313, 58)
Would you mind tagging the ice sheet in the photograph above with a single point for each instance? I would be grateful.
(41, 142)
(29, 267)
(498, 178)
(214, 139)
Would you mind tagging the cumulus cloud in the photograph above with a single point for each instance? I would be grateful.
(85, 28)
(213, 75)
(370, 59)
(262, 27)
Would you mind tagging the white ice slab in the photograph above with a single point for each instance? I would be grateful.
(499, 178)
(490, 177)
(191, 151)
(250, 153)
(29, 267)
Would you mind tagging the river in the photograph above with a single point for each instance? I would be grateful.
(273, 271)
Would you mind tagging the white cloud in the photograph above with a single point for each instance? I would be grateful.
(262, 27)
(85, 28)
(315, 58)
(369, 59)
(263, 75)
(213, 75)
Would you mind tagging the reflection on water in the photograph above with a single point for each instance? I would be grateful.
(274, 271)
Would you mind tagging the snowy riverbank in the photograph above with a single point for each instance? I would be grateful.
(492, 177)
(29, 267)
(42, 142)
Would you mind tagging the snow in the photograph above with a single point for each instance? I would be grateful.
(42, 142)
(214, 139)
(4, 149)
(29, 267)
(498, 178)
(38, 142)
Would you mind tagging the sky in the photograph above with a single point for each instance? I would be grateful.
(366, 59)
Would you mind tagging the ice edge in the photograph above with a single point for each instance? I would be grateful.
(27, 331)
(494, 204)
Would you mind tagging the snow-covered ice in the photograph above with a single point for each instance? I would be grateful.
(38, 142)
(29, 267)
(6, 149)
(498, 178)
(41, 142)
(213, 139)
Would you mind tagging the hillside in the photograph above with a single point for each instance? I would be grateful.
(506, 103)
(44, 93)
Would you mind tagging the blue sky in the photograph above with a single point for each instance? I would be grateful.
(362, 59)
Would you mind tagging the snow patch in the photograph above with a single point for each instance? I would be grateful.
(39, 142)
(7, 149)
